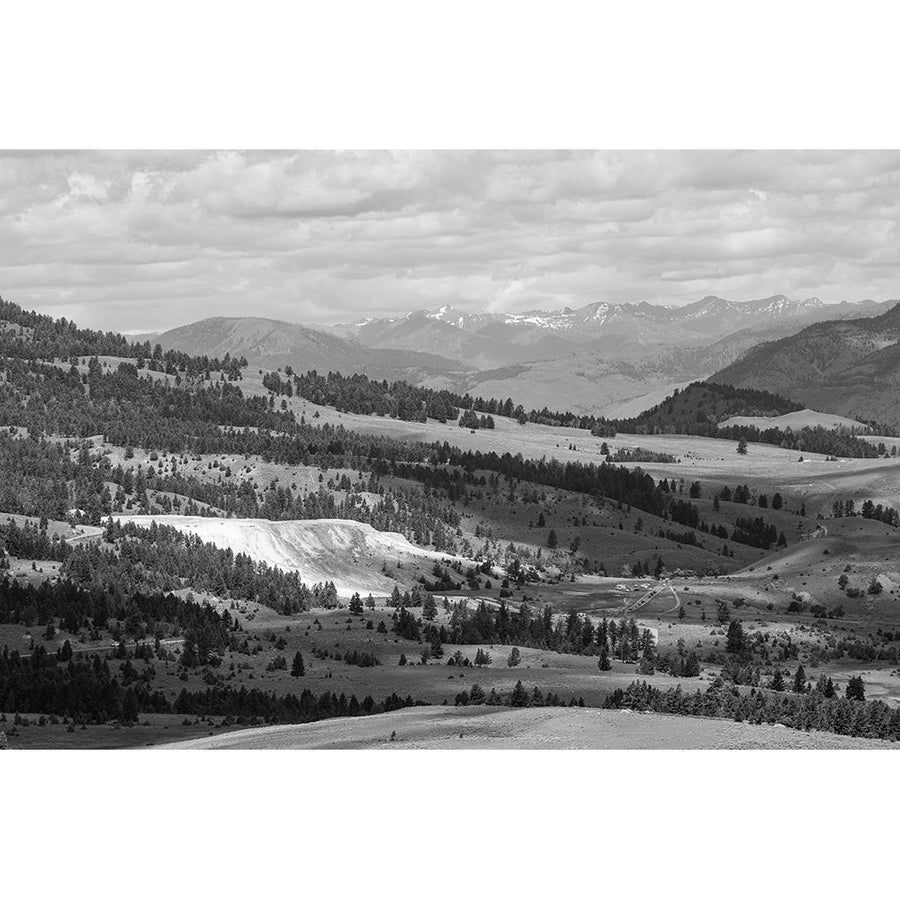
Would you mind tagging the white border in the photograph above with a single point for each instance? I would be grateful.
(471, 73)
(462, 74)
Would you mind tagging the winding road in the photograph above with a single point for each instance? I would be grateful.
(644, 599)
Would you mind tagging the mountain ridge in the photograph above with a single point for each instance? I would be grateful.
(273, 344)
(847, 367)
(496, 340)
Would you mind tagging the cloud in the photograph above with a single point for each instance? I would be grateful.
(147, 240)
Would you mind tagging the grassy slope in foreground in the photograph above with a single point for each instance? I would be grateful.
(485, 727)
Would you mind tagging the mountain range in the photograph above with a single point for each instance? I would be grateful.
(605, 359)
(493, 340)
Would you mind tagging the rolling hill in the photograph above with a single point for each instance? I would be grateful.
(703, 403)
(595, 383)
(851, 367)
(272, 344)
(496, 728)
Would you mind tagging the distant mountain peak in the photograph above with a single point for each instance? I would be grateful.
(445, 313)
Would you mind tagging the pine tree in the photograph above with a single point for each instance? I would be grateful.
(189, 656)
(734, 641)
(742, 447)
(514, 658)
(552, 540)
(800, 681)
(691, 667)
(519, 695)
(777, 683)
(856, 688)
(130, 708)
(604, 664)
(298, 669)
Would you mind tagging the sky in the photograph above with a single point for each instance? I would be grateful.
(147, 240)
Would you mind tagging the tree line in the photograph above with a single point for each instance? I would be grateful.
(85, 690)
(812, 711)
(38, 336)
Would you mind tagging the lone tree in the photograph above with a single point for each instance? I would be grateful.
(734, 641)
(722, 614)
(742, 447)
(552, 540)
(298, 669)
(800, 680)
(514, 658)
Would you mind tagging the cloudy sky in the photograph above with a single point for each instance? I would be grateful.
(149, 240)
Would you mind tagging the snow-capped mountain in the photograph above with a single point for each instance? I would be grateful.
(489, 340)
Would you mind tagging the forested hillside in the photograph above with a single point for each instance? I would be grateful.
(30, 335)
(701, 406)
(848, 367)
(707, 403)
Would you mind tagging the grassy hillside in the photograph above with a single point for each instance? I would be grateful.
(492, 728)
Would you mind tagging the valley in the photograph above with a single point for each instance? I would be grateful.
(190, 549)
